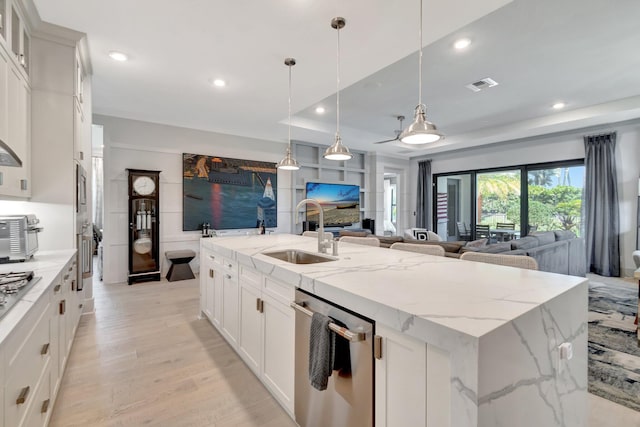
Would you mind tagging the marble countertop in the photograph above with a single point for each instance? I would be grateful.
(421, 295)
(47, 266)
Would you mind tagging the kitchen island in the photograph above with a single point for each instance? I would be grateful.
(492, 334)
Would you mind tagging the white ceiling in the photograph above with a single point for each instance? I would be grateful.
(582, 52)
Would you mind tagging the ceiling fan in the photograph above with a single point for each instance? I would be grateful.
(398, 132)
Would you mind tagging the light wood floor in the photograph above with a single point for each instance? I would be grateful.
(145, 358)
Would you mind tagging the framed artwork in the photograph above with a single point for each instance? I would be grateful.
(228, 193)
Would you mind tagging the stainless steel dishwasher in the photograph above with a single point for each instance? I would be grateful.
(348, 399)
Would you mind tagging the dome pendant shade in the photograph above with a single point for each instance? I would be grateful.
(289, 163)
(420, 131)
(337, 151)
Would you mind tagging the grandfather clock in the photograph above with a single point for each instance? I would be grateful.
(144, 225)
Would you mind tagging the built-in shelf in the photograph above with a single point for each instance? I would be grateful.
(315, 168)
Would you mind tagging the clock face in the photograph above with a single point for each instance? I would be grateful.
(144, 185)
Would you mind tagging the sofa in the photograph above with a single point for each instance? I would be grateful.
(558, 251)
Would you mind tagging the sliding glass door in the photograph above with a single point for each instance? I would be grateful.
(498, 199)
(502, 205)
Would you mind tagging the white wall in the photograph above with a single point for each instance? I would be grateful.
(142, 145)
(552, 148)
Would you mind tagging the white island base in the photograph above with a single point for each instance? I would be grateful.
(464, 343)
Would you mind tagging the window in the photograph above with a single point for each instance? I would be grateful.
(549, 199)
(555, 198)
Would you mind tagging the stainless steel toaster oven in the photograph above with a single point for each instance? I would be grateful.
(18, 237)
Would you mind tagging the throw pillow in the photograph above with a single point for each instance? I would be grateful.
(434, 236)
(527, 242)
(564, 235)
(544, 237)
(422, 235)
(476, 243)
(496, 248)
(411, 232)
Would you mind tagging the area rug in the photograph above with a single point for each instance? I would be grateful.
(614, 355)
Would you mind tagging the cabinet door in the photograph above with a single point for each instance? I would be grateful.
(57, 323)
(250, 336)
(4, 96)
(278, 358)
(207, 274)
(230, 307)
(400, 380)
(15, 180)
(2, 376)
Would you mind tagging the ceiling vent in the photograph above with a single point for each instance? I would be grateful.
(482, 84)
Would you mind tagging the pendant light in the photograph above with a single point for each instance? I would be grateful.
(338, 151)
(289, 163)
(420, 131)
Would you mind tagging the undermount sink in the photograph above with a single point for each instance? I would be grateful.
(296, 256)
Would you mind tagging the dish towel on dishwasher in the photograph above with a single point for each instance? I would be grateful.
(321, 351)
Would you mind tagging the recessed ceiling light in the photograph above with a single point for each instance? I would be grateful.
(118, 56)
(320, 110)
(462, 44)
(558, 105)
(219, 83)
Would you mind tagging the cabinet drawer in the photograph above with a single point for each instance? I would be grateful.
(212, 257)
(278, 290)
(229, 265)
(249, 275)
(39, 412)
(25, 369)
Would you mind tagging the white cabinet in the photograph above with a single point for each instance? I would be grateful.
(279, 343)
(211, 286)
(33, 356)
(4, 96)
(251, 308)
(15, 99)
(252, 312)
(267, 331)
(20, 40)
(66, 315)
(230, 294)
(412, 382)
(27, 360)
(15, 181)
(1, 382)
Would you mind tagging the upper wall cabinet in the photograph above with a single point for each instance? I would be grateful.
(3, 20)
(15, 99)
(15, 130)
(20, 40)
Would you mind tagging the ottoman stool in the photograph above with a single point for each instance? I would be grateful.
(180, 269)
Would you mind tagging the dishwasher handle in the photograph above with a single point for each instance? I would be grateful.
(342, 331)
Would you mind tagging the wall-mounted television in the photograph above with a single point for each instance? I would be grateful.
(340, 203)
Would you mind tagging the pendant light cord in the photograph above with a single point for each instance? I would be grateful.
(420, 59)
(338, 86)
(289, 147)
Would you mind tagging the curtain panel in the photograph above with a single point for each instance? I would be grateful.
(423, 201)
(602, 223)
